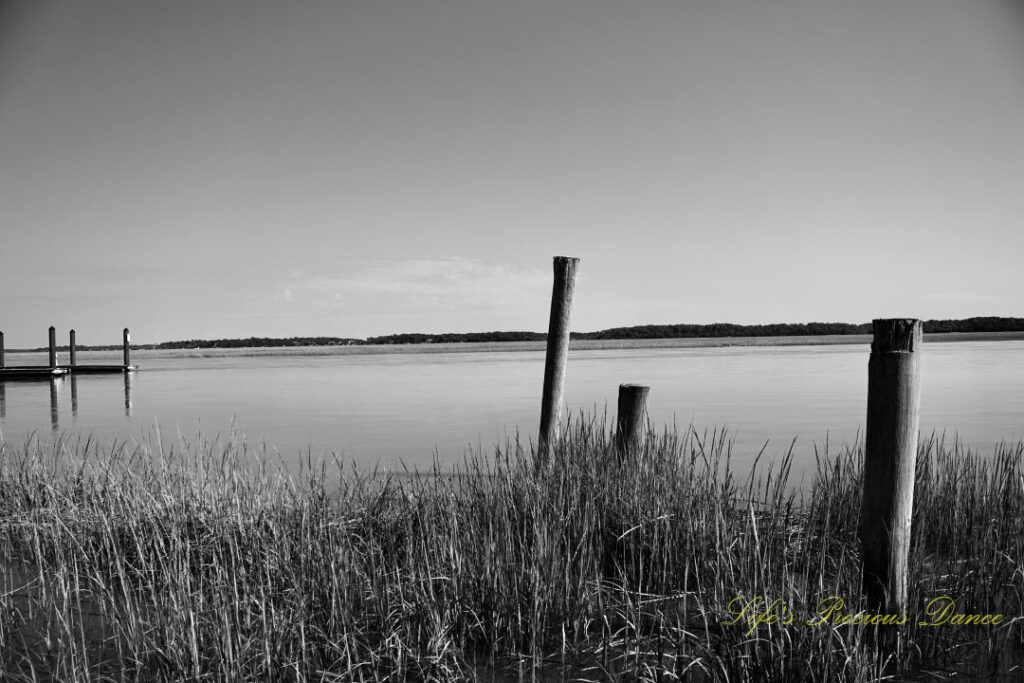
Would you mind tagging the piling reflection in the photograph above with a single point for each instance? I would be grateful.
(57, 386)
(127, 394)
(54, 414)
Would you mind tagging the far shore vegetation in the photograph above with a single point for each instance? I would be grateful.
(979, 325)
(178, 561)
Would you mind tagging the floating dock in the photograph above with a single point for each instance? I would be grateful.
(98, 369)
(31, 372)
(46, 372)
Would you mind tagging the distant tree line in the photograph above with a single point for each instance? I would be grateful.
(680, 331)
(465, 337)
(989, 324)
(256, 342)
(725, 330)
(687, 331)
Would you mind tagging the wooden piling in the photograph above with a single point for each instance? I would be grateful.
(557, 351)
(127, 349)
(74, 395)
(1, 350)
(890, 457)
(631, 424)
(71, 348)
(53, 347)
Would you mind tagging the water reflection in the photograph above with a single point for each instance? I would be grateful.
(27, 398)
(127, 394)
(54, 414)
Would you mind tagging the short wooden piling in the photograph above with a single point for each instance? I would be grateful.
(557, 351)
(71, 348)
(53, 347)
(2, 350)
(631, 424)
(890, 457)
(127, 348)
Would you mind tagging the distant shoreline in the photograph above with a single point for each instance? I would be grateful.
(638, 336)
(540, 345)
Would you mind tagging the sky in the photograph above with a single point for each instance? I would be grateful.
(196, 169)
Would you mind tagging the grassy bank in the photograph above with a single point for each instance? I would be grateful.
(201, 562)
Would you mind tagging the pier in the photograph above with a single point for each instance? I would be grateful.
(55, 369)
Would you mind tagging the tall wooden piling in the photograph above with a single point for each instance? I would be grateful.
(127, 348)
(71, 348)
(631, 423)
(53, 347)
(557, 351)
(890, 456)
(2, 350)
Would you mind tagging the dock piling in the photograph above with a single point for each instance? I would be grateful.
(53, 347)
(1, 350)
(631, 423)
(562, 292)
(127, 349)
(71, 347)
(890, 456)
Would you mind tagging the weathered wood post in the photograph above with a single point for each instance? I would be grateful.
(74, 394)
(631, 424)
(127, 348)
(71, 348)
(557, 352)
(1, 350)
(890, 457)
(53, 347)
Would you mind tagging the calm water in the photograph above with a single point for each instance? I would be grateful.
(394, 407)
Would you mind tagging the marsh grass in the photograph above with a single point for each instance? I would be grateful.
(203, 561)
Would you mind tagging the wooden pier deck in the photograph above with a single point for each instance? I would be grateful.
(46, 372)
(31, 372)
(99, 369)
